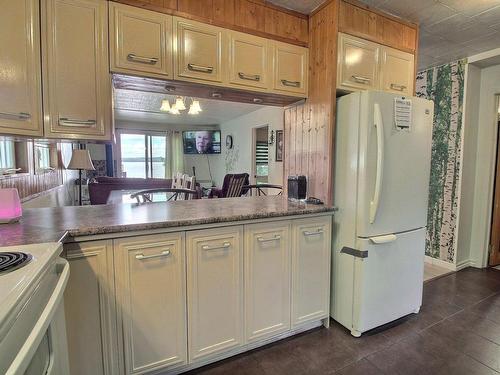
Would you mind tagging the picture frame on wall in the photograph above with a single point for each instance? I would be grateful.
(279, 145)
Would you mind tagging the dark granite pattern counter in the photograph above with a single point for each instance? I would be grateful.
(54, 224)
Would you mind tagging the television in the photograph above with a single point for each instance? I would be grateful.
(201, 141)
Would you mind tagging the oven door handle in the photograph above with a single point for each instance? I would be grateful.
(23, 358)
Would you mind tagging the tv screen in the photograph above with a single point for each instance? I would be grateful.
(201, 142)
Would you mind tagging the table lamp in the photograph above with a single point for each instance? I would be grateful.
(80, 160)
(10, 206)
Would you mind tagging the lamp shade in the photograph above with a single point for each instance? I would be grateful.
(80, 159)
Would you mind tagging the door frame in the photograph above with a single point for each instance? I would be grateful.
(253, 178)
(494, 235)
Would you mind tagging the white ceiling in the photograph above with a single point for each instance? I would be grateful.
(449, 29)
(139, 106)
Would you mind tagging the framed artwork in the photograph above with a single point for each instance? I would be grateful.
(279, 145)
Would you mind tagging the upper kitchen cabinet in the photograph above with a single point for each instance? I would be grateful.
(290, 69)
(141, 41)
(357, 66)
(77, 87)
(397, 71)
(20, 71)
(199, 52)
(250, 61)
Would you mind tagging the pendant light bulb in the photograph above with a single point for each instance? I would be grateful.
(196, 106)
(165, 105)
(179, 103)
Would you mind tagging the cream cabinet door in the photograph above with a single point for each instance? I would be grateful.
(215, 291)
(151, 295)
(397, 71)
(267, 280)
(311, 253)
(358, 63)
(20, 70)
(141, 41)
(90, 309)
(199, 51)
(250, 64)
(77, 87)
(291, 66)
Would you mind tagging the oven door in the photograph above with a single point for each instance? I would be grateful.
(45, 349)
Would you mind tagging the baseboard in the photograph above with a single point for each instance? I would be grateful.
(440, 263)
(465, 263)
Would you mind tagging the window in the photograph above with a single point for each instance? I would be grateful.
(262, 158)
(7, 157)
(43, 157)
(143, 155)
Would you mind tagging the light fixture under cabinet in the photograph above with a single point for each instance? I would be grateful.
(179, 105)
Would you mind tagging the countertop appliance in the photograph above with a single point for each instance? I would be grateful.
(32, 324)
(383, 152)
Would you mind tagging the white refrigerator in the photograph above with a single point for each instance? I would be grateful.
(382, 168)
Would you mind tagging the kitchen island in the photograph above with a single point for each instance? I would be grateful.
(166, 287)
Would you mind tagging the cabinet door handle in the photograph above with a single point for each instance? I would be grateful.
(361, 79)
(75, 122)
(19, 115)
(276, 237)
(398, 87)
(318, 232)
(249, 77)
(200, 68)
(164, 253)
(142, 59)
(225, 245)
(286, 82)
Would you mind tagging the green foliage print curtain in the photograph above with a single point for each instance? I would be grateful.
(445, 86)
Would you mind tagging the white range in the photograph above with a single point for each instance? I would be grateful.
(32, 324)
(383, 151)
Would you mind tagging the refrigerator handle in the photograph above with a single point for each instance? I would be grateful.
(380, 162)
(383, 239)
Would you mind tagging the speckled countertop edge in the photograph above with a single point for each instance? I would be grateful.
(120, 228)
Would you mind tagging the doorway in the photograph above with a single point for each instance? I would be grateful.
(260, 159)
(494, 258)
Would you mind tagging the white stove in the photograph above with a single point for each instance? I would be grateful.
(32, 326)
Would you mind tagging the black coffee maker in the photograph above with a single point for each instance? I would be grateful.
(297, 187)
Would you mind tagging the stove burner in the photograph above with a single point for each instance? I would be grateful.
(10, 261)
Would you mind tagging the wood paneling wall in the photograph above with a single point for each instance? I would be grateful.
(310, 127)
(358, 20)
(31, 184)
(256, 17)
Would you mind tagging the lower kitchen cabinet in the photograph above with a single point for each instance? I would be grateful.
(214, 290)
(151, 299)
(169, 302)
(89, 309)
(267, 280)
(311, 252)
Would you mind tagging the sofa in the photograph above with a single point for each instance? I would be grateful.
(101, 187)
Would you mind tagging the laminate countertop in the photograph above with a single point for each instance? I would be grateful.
(58, 224)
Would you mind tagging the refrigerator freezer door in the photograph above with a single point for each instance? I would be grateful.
(393, 165)
(388, 283)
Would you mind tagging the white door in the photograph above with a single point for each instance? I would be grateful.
(394, 164)
(388, 282)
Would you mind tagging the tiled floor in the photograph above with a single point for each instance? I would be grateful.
(456, 332)
(432, 271)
